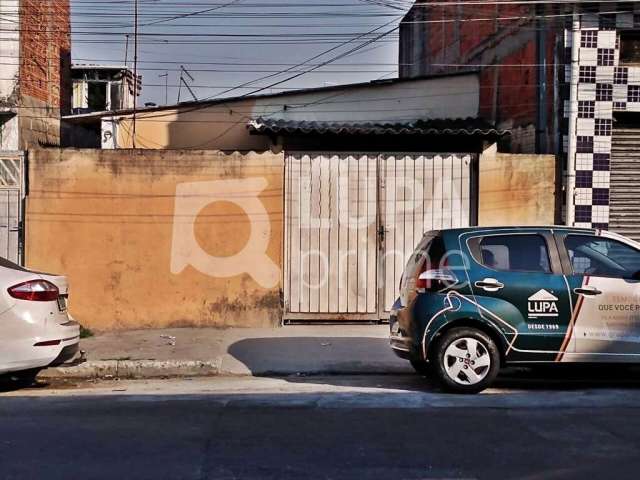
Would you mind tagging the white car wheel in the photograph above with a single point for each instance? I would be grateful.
(467, 361)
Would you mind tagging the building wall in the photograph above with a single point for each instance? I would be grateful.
(605, 86)
(501, 42)
(160, 239)
(9, 52)
(223, 126)
(44, 75)
(516, 189)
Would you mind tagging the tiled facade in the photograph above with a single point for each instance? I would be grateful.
(605, 86)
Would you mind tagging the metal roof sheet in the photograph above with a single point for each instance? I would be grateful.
(460, 126)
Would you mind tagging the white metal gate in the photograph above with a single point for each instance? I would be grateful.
(351, 221)
(331, 251)
(12, 180)
(418, 193)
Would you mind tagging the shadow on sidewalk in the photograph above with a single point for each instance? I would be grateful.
(335, 361)
(314, 355)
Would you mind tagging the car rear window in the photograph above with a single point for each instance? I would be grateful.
(436, 251)
(515, 253)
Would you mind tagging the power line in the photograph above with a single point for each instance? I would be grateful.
(135, 70)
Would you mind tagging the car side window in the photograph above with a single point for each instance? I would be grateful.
(602, 257)
(516, 253)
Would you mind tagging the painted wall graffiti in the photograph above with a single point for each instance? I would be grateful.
(159, 239)
(191, 198)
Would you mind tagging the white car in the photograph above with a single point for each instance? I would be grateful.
(36, 330)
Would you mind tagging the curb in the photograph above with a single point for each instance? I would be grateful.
(141, 369)
(133, 369)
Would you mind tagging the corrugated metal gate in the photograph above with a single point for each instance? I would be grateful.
(419, 193)
(624, 207)
(352, 220)
(12, 183)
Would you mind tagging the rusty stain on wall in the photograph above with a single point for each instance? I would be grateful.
(107, 220)
(516, 189)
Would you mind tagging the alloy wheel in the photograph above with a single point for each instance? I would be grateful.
(467, 361)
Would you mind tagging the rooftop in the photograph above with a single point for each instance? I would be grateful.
(460, 126)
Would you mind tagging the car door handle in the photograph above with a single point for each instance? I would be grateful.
(591, 291)
(489, 284)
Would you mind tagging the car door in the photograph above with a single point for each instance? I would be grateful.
(603, 274)
(516, 278)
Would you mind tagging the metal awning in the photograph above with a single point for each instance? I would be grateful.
(462, 126)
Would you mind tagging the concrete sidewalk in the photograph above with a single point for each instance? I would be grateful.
(185, 352)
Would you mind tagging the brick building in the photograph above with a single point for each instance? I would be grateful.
(35, 48)
(506, 43)
(565, 78)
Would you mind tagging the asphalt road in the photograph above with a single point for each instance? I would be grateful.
(390, 427)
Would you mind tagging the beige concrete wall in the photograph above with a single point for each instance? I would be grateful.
(159, 238)
(516, 189)
(223, 125)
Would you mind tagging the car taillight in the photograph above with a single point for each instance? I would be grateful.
(35, 291)
(435, 279)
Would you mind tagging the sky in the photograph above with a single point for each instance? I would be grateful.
(249, 43)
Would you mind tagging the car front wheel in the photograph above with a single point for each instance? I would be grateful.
(466, 360)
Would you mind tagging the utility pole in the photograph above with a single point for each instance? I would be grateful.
(135, 71)
(166, 87)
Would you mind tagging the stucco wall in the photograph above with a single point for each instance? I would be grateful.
(516, 189)
(155, 239)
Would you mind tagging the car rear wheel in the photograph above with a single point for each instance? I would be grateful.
(466, 360)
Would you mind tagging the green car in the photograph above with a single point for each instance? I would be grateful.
(473, 300)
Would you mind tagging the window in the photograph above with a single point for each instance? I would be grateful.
(97, 96)
(630, 47)
(115, 89)
(602, 257)
(516, 253)
(433, 250)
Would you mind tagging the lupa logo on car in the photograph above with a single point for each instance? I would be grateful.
(542, 304)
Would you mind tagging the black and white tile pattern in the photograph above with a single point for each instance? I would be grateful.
(604, 87)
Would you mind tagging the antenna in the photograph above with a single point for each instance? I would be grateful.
(183, 72)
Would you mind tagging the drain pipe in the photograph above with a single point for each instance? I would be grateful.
(573, 121)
